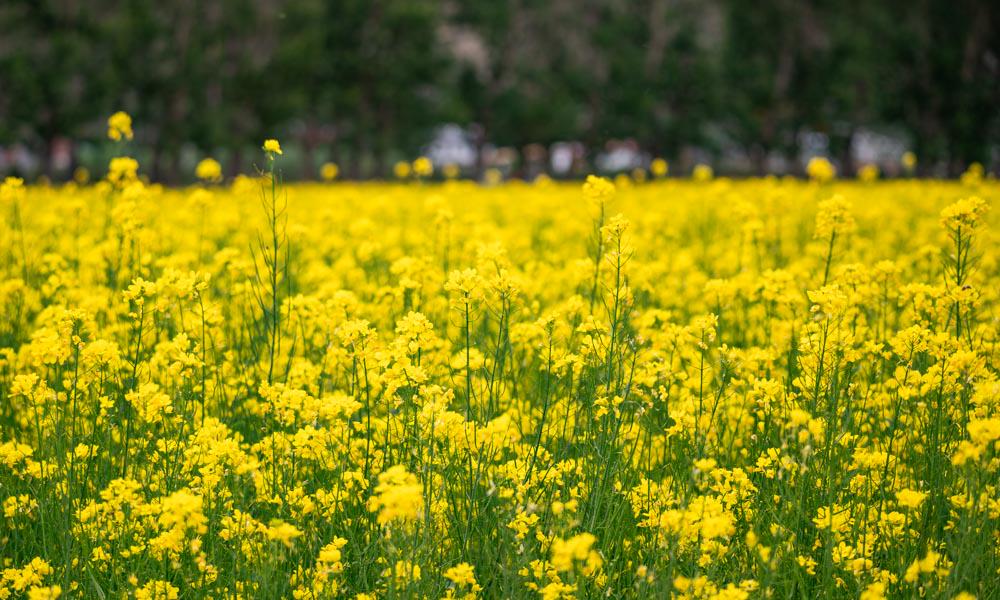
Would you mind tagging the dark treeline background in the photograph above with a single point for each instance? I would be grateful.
(364, 82)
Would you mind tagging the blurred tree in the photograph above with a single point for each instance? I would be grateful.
(367, 70)
(945, 82)
(365, 81)
(193, 71)
(760, 60)
(662, 89)
(49, 55)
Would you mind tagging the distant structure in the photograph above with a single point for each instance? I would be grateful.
(452, 145)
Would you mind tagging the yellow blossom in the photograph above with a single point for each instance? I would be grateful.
(398, 495)
(209, 169)
(272, 147)
(120, 126)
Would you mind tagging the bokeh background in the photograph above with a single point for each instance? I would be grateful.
(525, 86)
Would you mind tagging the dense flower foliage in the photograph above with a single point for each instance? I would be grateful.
(678, 388)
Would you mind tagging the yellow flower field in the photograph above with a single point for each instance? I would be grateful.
(660, 388)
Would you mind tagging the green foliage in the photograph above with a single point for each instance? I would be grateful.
(363, 82)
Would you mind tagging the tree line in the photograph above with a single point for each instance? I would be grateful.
(362, 82)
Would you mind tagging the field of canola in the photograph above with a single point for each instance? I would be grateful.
(670, 388)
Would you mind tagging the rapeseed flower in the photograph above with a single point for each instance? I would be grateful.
(12, 189)
(659, 167)
(329, 171)
(459, 390)
(702, 172)
(398, 495)
(598, 188)
(209, 169)
(402, 169)
(120, 126)
(423, 167)
(272, 147)
(820, 169)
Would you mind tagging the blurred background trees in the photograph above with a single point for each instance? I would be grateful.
(750, 87)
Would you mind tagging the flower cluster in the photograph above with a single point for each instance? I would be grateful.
(645, 387)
